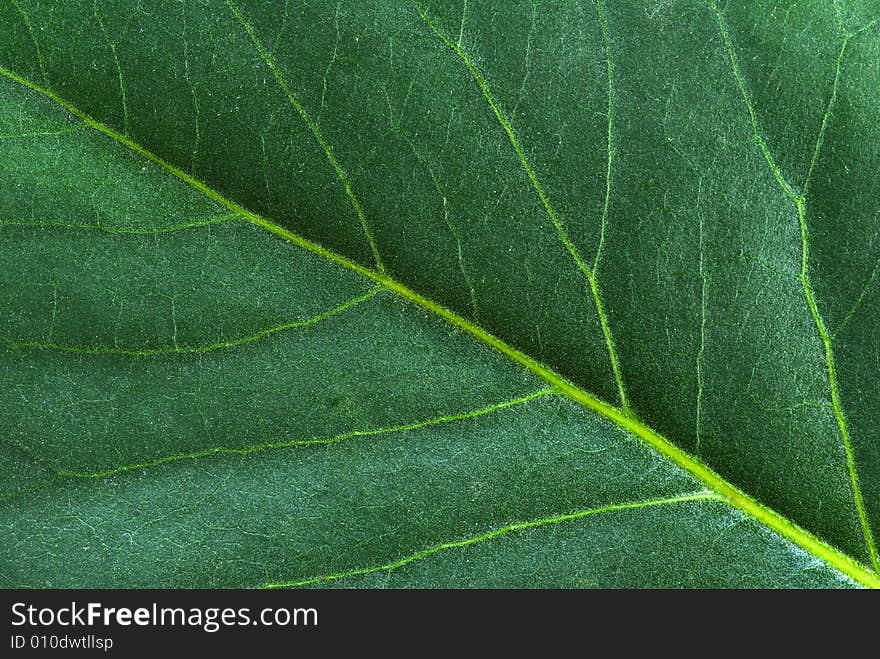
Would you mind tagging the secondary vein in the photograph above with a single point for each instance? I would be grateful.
(122, 230)
(318, 441)
(199, 349)
(741, 84)
(852, 471)
(609, 138)
(313, 127)
(504, 530)
(30, 28)
(799, 200)
(587, 272)
(872, 279)
(121, 82)
(619, 417)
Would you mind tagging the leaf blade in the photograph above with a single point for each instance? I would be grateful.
(459, 321)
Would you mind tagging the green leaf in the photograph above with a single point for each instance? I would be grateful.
(436, 294)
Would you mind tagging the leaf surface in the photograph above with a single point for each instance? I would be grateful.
(405, 294)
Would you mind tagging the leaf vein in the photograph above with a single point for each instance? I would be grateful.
(313, 127)
(869, 284)
(741, 84)
(199, 349)
(319, 441)
(852, 471)
(456, 235)
(119, 77)
(610, 136)
(798, 200)
(545, 201)
(504, 530)
(30, 28)
(124, 230)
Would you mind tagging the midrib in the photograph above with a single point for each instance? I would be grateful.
(733, 495)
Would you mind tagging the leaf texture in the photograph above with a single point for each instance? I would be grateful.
(392, 294)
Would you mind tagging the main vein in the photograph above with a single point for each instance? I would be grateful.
(313, 127)
(618, 416)
(504, 530)
(588, 272)
(799, 200)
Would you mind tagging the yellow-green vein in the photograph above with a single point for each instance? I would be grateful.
(798, 200)
(504, 530)
(318, 441)
(545, 201)
(826, 339)
(201, 349)
(123, 230)
(852, 472)
(313, 127)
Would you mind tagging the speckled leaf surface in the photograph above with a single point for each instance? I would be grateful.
(394, 294)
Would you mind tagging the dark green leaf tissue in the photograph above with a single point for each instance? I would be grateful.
(378, 293)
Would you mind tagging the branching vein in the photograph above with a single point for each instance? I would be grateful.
(335, 439)
(123, 230)
(610, 137)
(313, 127)
(30, 28)
(448, 220)
(120, 80)
(799, 202)
(194, 156)
(835, 396)
(740, 81)
(704, 293)
(545, 201)
(869, 284)
(504, 530)
(825, 117)
(176, 349)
